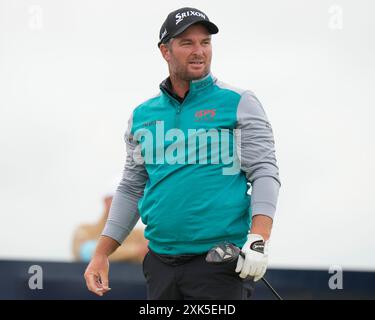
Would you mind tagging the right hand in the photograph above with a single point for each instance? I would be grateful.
(96, 275)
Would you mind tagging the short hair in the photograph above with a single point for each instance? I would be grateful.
(168, 43)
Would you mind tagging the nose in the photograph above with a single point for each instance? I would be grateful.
(198, 49)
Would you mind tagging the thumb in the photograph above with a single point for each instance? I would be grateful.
(104, 279)
(240, 262)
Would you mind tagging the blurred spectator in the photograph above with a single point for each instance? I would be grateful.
(133, 249)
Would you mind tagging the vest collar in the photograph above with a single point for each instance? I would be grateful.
(203, 83)
(194, 87)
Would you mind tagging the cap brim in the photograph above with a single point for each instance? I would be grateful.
(211, 27)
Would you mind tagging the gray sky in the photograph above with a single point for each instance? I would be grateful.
(71, 72)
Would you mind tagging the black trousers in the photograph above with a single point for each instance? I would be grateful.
(194, 279)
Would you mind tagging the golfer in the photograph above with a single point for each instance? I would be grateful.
(194, 153)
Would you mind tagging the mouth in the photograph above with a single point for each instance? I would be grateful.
(196, 63)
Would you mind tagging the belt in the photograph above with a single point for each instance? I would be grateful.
(174, 260)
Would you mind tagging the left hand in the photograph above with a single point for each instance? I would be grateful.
(256, 257)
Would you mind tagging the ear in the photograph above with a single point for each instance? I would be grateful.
(165, 52)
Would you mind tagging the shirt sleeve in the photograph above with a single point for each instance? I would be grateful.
(124, 214)
(256, 151)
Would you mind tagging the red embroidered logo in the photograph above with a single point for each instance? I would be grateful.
(205, 115)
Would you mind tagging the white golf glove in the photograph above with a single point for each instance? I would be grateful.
(256, 257)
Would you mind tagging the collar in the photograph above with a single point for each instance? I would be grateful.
(202, 83)
(194, 87)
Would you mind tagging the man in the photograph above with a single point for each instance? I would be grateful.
(187, 203)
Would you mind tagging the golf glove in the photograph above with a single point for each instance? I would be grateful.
(256, 257)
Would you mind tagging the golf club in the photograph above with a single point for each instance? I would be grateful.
(226, 252)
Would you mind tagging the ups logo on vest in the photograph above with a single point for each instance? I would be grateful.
(205, 115)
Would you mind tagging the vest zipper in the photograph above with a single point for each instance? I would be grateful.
(178, 107)
(177, 117)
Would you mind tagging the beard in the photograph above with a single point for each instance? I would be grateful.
(182, 71)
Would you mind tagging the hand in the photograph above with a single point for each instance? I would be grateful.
(96, 275)
(256, 257)
(143, 249)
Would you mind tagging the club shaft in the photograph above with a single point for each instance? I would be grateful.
(272, 289)
(266, 282)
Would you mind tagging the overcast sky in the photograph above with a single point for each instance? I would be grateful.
(71, 72)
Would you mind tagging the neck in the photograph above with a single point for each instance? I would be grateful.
(179, 86)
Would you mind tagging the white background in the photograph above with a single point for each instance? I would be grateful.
(71, 72)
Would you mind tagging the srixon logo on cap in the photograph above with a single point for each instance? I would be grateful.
(181, 15)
